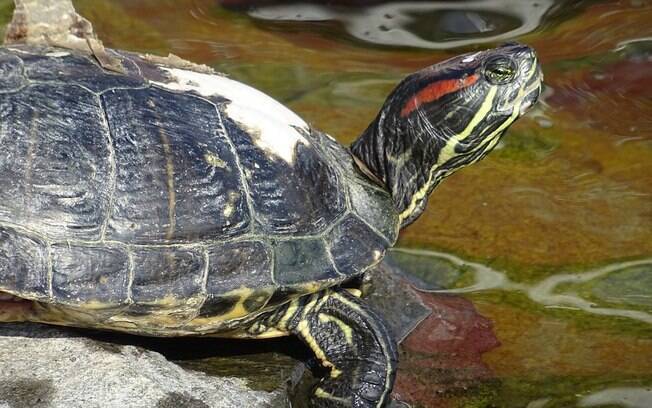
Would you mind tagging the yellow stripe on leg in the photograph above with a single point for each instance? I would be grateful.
(319, 392)
(304, 330)
(357, 308)
(346, 329)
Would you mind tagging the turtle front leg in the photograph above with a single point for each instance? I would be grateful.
(350, 340)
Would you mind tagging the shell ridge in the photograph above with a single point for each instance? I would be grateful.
(329, 256)
(245, 186)
(113, 170)
(130, 274)
(204, 277)
(50, 270)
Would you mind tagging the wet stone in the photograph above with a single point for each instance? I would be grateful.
(46, 367)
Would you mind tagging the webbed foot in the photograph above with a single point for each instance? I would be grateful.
(351, 341)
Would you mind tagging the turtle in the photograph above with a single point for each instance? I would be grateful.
(162, 199)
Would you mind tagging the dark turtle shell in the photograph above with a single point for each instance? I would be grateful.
(169, 201)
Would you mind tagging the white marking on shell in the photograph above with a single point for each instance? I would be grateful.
(274, 128)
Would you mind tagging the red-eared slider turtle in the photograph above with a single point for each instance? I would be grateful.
(164, 201)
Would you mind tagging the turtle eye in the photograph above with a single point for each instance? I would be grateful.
(499, 70)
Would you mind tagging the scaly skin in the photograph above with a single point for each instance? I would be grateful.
(349, 339)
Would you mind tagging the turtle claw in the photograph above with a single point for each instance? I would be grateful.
(366, 391)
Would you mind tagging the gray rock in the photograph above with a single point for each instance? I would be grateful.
(50, 367)
(47, 366)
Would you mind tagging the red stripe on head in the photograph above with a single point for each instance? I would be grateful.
(435, 91)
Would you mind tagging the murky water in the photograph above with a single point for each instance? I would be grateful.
(550, 237)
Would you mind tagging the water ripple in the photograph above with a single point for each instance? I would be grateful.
(626, 397)
(430, 25)
(544, 292)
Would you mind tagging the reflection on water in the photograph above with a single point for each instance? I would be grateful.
(623, 397)
(632, 283)
(429, 25)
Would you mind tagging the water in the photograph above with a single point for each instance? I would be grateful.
(549, 239)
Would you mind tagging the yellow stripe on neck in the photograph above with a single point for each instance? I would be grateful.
(448, 151)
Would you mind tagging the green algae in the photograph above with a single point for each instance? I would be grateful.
(528, 144)
(116, 26)
(560, 392)
(6, 11)
(627, 329)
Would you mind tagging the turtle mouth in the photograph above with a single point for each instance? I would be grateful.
(530, 99)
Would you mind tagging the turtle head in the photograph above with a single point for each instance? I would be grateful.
(445, 117)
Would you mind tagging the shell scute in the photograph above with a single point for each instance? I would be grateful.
(299, 197)
(354, 246)
(177, 179)
(54, 162)
(23, 264)
(56, 65)
(167, 278)
(238, 274)
(301, 261)
(92, 277)
(376, 208)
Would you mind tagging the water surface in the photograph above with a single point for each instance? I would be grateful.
(549, 238)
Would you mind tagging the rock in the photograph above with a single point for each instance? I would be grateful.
(392, 296)
(442, 358)
(47, 366)
(50, 367)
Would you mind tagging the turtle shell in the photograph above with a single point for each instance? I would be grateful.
(167, 201)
